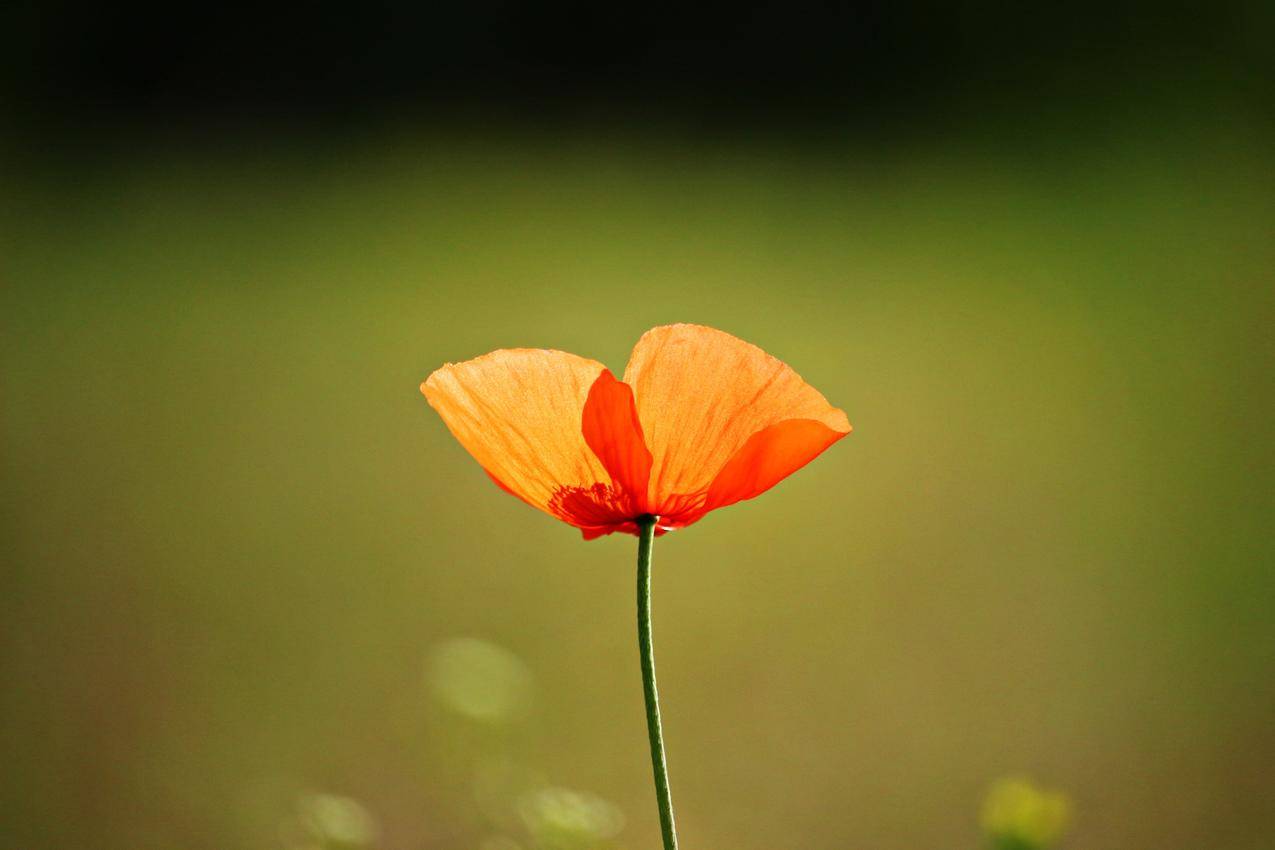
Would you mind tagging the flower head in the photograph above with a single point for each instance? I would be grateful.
(701, 420)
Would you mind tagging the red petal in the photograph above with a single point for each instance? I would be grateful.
(611, 429)
(768, 457)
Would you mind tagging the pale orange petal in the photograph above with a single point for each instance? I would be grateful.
(518, 413)
(701, 394)
(611, 428)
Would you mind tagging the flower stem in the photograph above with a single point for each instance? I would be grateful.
(655, 730)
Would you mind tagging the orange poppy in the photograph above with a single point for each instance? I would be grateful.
(701, 420)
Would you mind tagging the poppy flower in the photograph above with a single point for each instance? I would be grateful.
(700, 421)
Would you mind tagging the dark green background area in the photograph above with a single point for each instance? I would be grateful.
(233, 534)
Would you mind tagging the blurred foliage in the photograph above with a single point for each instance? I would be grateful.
(238, 547)
(480, 680)
(330, 822)
(559, 819)
(1019, 816)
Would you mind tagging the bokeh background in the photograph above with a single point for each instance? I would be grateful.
(255, 596)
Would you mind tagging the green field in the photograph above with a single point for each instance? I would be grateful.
(239, 549)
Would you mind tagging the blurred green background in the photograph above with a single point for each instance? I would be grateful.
(255, 595)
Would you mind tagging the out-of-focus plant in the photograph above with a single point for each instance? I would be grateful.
(490, 687)
(331, 822)
(1019, 815)
(561, 819)
(480, 680)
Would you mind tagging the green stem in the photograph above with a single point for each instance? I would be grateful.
(654, 729)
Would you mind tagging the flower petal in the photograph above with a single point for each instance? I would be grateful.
(612, 430)
(768, 457)
(518, 413)
(701, 395)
